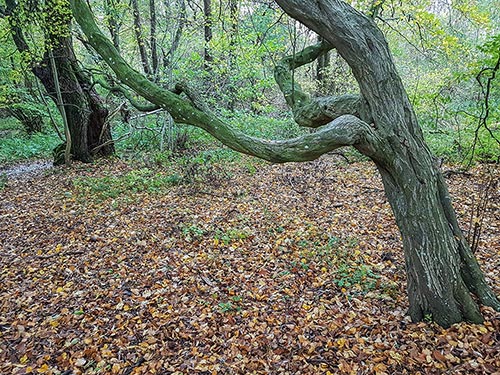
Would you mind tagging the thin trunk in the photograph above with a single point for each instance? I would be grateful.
(152, 39)
(322, 64)
(169, 56)
(112, 21)
(139, 37)
(233, 14)
(207, 12)
(62, 109)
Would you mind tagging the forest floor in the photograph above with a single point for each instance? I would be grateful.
(249, 269)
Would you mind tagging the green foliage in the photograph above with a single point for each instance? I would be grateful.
(18, 97)
(230, 235)
(124, 186)
(441, 54)
(263, 126)
(347, 267)
(3, 181)
(16, 147)
(192, 232)
(455, 146)
(229, 306)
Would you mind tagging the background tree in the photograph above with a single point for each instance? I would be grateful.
(84, 108)
(442, 271)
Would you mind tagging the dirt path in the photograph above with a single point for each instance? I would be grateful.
(25, 170)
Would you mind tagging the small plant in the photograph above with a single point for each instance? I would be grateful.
(428, 318)
(350, 275)
(227, 307)
(231, 235)
(191, 232)
(3, 180)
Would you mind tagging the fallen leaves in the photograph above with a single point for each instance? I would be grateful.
(253, 275)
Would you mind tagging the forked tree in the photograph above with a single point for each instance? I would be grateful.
(443, 275)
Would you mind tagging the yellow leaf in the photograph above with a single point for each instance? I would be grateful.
(341, 342)
(23, 359)
(43, 369)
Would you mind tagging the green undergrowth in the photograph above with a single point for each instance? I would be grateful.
(341, 258)
(127, 185)
(343, 262)
(159, 172)
(16, 147)
(460, 147)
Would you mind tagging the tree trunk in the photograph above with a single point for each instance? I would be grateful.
(139, 37)
(322, 64)
(85, 110)
(168, 56)
(441, 269)
(207, 12)
(380, 123)
(152, 39)
(110, 6)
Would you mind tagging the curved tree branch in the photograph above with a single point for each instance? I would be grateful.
(344, 131)
(147, 107)
(307, 111)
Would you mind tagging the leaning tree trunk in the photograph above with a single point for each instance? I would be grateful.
(441, 269)
(380, 123)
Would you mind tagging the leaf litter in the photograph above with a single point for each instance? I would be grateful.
(265, 269)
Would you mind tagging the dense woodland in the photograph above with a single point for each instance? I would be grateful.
(142, 233)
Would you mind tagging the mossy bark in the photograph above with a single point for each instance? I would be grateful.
(84, 108)
(442, 271)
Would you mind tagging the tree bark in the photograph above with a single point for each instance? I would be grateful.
(441, 268)
(85, 110)
(442, 272)
(169, 55)
(207, 12)
(112, 21)
(152, 39)
(321, 65)
(139, 37)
